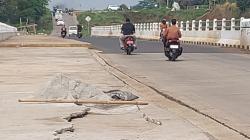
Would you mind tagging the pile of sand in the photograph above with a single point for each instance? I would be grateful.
(64, 87)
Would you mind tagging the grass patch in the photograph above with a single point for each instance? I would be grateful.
(105, 18)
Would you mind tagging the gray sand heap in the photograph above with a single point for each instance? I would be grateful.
(64, 87)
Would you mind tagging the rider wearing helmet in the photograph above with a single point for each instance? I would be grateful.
(64, 29)
(163, 27)
(127, 29)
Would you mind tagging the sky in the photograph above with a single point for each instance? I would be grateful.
(94, 4)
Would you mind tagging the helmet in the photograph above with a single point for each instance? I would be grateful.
(164, 21)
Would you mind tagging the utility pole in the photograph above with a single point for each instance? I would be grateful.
(20, 20)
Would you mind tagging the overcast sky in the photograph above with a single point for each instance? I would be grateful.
(94, 4)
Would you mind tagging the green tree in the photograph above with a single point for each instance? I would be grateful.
(243, 4)
(12, 10)
(123, 7)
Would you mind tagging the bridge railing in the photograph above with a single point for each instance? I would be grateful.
(7, 31)
(225, 32)
(201, 25)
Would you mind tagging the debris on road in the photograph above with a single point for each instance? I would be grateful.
(64, 130)
(63, 89)
(154, 121)
(121, 95)
(77, 115)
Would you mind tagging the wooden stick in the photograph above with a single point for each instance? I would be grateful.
(82, 101)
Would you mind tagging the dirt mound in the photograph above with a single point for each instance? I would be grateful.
(227, 10)
(64, 87)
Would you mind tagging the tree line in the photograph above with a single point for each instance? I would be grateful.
(242, 4)
(11, 11)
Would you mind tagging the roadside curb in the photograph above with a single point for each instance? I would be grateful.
(46, 45)
(217, 44)
(42, 41)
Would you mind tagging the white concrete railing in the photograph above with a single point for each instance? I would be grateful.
(7, 31)
(222, 32)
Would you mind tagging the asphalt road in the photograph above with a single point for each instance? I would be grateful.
(111, 45)
(211, 79)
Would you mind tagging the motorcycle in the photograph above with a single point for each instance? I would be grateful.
(129, 45)
(63, 34)
(173, 49)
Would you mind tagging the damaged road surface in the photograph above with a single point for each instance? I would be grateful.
(24, 73)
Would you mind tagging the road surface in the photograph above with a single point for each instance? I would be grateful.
(213, 80)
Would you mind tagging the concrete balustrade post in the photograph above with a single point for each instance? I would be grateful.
(159, 26)
(135, 26)
(151, 27)
(233, 24)
(193, 25)
(223, 24)
(144, 27)
(187, 26)
(215, 25)
(155, 26)
(241, 19)
(207, 25)
(177, 24)
(200, 25)
(181, 26)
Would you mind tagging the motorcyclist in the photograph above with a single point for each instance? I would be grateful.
(172, 33)
(64, 29)
(128, 29)
(163, 27)
(79, 31)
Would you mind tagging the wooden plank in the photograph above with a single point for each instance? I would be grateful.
(82, 101)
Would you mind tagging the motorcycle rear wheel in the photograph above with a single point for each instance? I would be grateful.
(129, 50)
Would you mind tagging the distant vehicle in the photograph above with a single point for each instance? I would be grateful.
(72, 31)
(113, 8)
(63, 34)
(60, 22)
(146, 5)
(59, 11)
(70, 12)
(58, 16)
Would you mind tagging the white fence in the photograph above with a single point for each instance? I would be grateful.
(233, 32)
(7, 31)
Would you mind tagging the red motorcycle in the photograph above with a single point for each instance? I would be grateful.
(129, 45)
